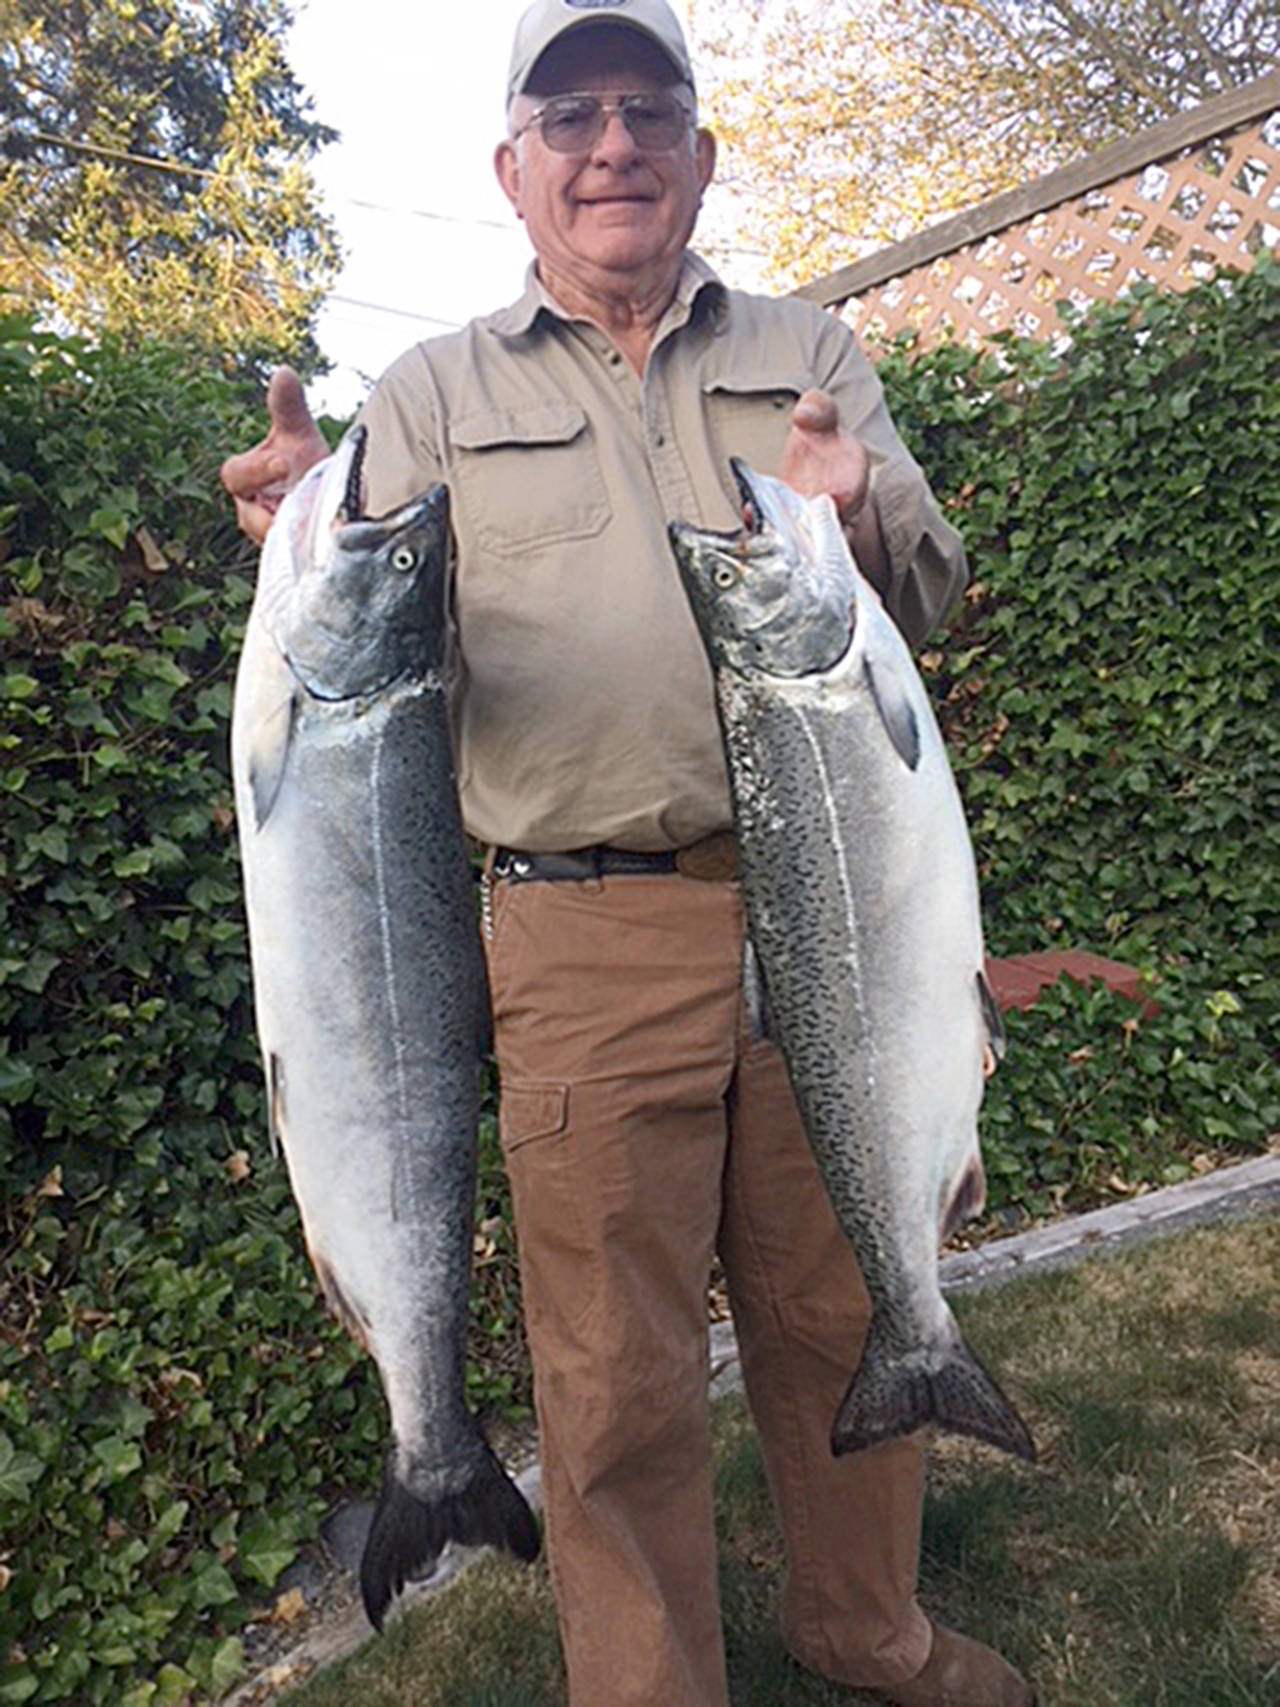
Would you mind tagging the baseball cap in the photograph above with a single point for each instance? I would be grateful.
(547, 20)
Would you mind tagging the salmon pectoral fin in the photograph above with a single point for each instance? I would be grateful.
(889, 1397)
(408, 1532)
(896, 711)
(268, 756)
(275, 1103)
(994, 1024)
(755, 997)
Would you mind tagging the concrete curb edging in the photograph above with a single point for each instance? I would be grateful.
(1246, 1188)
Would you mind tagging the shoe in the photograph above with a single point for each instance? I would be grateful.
(961, 1673)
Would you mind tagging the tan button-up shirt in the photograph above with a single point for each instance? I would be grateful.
(584, 709)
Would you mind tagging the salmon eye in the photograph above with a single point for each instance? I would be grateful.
(724, 577)
(403, 558)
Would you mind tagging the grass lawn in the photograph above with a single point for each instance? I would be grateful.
(1138, 1565)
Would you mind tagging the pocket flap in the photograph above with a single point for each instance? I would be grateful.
(784, 383)
(547, 423)
(529, 1111)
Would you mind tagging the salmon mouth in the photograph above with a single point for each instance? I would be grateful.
(752, 515)
(349, 508)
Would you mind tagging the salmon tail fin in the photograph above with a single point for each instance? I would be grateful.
(888, 1398)
(409, 1532)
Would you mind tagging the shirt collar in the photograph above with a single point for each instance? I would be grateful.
(696, 276)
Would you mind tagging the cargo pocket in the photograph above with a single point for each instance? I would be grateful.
(750, 416)
(543, 454)
(527, 1112)
(558, 1273)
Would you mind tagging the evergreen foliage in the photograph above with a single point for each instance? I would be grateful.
(175, 1411)
(155, 173)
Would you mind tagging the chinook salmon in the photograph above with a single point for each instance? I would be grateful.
(369, 984)
(862, 905)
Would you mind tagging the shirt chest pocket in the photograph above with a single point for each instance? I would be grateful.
(749, 415)
(527, 476)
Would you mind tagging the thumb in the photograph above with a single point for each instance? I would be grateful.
(816, 412)
(287, 404)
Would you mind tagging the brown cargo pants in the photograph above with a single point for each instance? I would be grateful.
(643, 1129)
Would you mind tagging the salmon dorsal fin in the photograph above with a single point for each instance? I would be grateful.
(896, 712)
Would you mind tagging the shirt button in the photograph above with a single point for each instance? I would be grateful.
(659, 438)
(615, 357)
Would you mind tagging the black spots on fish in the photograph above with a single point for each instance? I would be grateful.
(269, 756)
(966, 1200)
(275, 1103)
(991, 1018)
(408, 1533)
(896, 713)
(891, 1396)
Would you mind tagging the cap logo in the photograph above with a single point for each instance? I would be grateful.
(593, 5)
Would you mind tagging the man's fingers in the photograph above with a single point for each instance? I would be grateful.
(287, 404)
(254, 519)
(257, 479)
(251, 471)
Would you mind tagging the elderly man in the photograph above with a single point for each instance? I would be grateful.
(644, 1127)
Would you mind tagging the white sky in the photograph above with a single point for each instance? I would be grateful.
(416, 89)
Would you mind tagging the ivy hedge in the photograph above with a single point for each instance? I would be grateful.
(1109, 693)
(175, 1409)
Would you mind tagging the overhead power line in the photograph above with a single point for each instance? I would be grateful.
(401, 313)
(427, 213)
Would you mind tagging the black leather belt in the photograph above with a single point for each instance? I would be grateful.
(714, 859)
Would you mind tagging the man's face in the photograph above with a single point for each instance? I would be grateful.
(617, 207)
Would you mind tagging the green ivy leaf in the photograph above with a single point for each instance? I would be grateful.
(19, 1472)
(118, 1456)
(267, 1547)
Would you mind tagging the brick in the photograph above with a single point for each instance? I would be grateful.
(1017, 981)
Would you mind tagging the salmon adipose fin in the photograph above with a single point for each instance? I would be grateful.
(408, 1532)
(890, 1396)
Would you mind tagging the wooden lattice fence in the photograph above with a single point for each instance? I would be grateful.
(1171, 206)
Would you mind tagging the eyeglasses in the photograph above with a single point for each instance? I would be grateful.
(573, 124)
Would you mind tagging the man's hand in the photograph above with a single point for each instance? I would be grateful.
(258, 479)
(820, 455)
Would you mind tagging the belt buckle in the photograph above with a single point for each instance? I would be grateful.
(713, 859)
